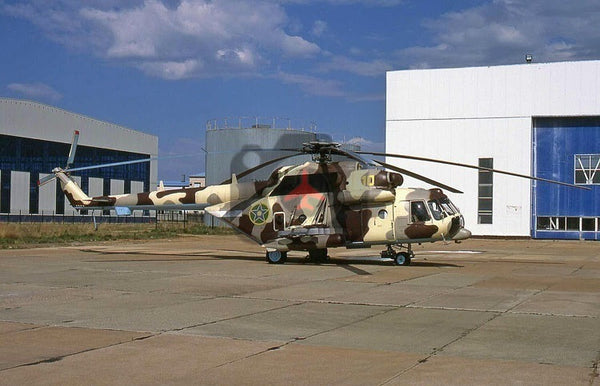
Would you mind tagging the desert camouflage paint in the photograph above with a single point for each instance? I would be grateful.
(308, 206)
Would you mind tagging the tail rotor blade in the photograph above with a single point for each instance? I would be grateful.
(44, 180)
(73, 148)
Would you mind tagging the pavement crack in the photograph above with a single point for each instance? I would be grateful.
(296, 339)
(437, 350)
(61, 357)
(234, 317)
(594, 374)
(273, 348)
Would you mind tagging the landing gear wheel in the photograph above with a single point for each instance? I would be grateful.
(276, 257)
(402, 258)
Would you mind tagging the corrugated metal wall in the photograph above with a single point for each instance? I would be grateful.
(563, 212)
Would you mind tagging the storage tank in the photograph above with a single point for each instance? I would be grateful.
(235, 145)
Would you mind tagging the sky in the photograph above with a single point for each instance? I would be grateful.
(166, 67)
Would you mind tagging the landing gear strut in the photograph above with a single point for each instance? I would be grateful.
(399, 258)
(318, 255)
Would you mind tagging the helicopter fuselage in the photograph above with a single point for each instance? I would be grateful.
(308, 207)
(317, 206)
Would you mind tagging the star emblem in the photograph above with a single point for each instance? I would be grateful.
(259, 214)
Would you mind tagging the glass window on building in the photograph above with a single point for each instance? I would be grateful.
(485, 192)
(587, 169)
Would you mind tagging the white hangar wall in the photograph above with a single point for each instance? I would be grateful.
(464, 114)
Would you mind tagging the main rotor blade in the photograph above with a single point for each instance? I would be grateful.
(419, 177)
(129, 162)
(252, 170)
(352, 155)
(405, 156)
(71, 157)
(137, 161)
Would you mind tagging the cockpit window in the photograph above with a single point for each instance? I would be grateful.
(448, 207)
(441, 208)
(436, 210)
(305, 184)
(418, 211)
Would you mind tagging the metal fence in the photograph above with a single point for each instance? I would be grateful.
(75, 218)
(171, 217)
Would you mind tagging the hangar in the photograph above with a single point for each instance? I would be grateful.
(537, 119)
(35, 138)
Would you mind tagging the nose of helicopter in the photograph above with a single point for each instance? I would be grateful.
(462, 234)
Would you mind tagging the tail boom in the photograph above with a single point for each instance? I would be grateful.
(188, 198)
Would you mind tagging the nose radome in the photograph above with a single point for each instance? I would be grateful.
(462, 234)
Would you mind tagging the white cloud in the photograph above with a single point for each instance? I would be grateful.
(36, 91)
(171, 70)
(319, 27)
(370, 3)
(180, 39)
(172, 39)
(314, 85)
(366, 145)
(503, 31)
(376, 67)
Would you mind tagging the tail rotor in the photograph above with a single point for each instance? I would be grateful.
(44, 180)
(73, 149)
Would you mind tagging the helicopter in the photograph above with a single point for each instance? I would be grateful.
(312, 206)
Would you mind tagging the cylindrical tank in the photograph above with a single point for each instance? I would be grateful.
(236, 145)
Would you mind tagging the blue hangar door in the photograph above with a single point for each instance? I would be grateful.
(566, 149)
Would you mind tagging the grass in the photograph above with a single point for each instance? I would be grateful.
(43, 234)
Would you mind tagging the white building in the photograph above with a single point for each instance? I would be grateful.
(35, 138)
(534, 119)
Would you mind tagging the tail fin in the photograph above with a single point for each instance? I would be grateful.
(76, 196)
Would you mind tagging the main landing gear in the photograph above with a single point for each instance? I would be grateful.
(399, 258)
(317, 256)
(276, 257)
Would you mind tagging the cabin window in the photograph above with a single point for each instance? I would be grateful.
(418, 211)
(279, 221)
(382, 214)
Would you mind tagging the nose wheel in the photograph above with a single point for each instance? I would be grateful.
(402, 258)
(399, 258)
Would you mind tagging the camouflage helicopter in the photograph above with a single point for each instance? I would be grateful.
(313, 206)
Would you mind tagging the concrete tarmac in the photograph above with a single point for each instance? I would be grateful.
(210, 310)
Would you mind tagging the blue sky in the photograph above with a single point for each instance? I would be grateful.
(167, 66)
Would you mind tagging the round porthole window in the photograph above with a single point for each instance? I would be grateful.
(382, 214)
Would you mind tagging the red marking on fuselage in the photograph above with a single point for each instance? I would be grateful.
(307, 191)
